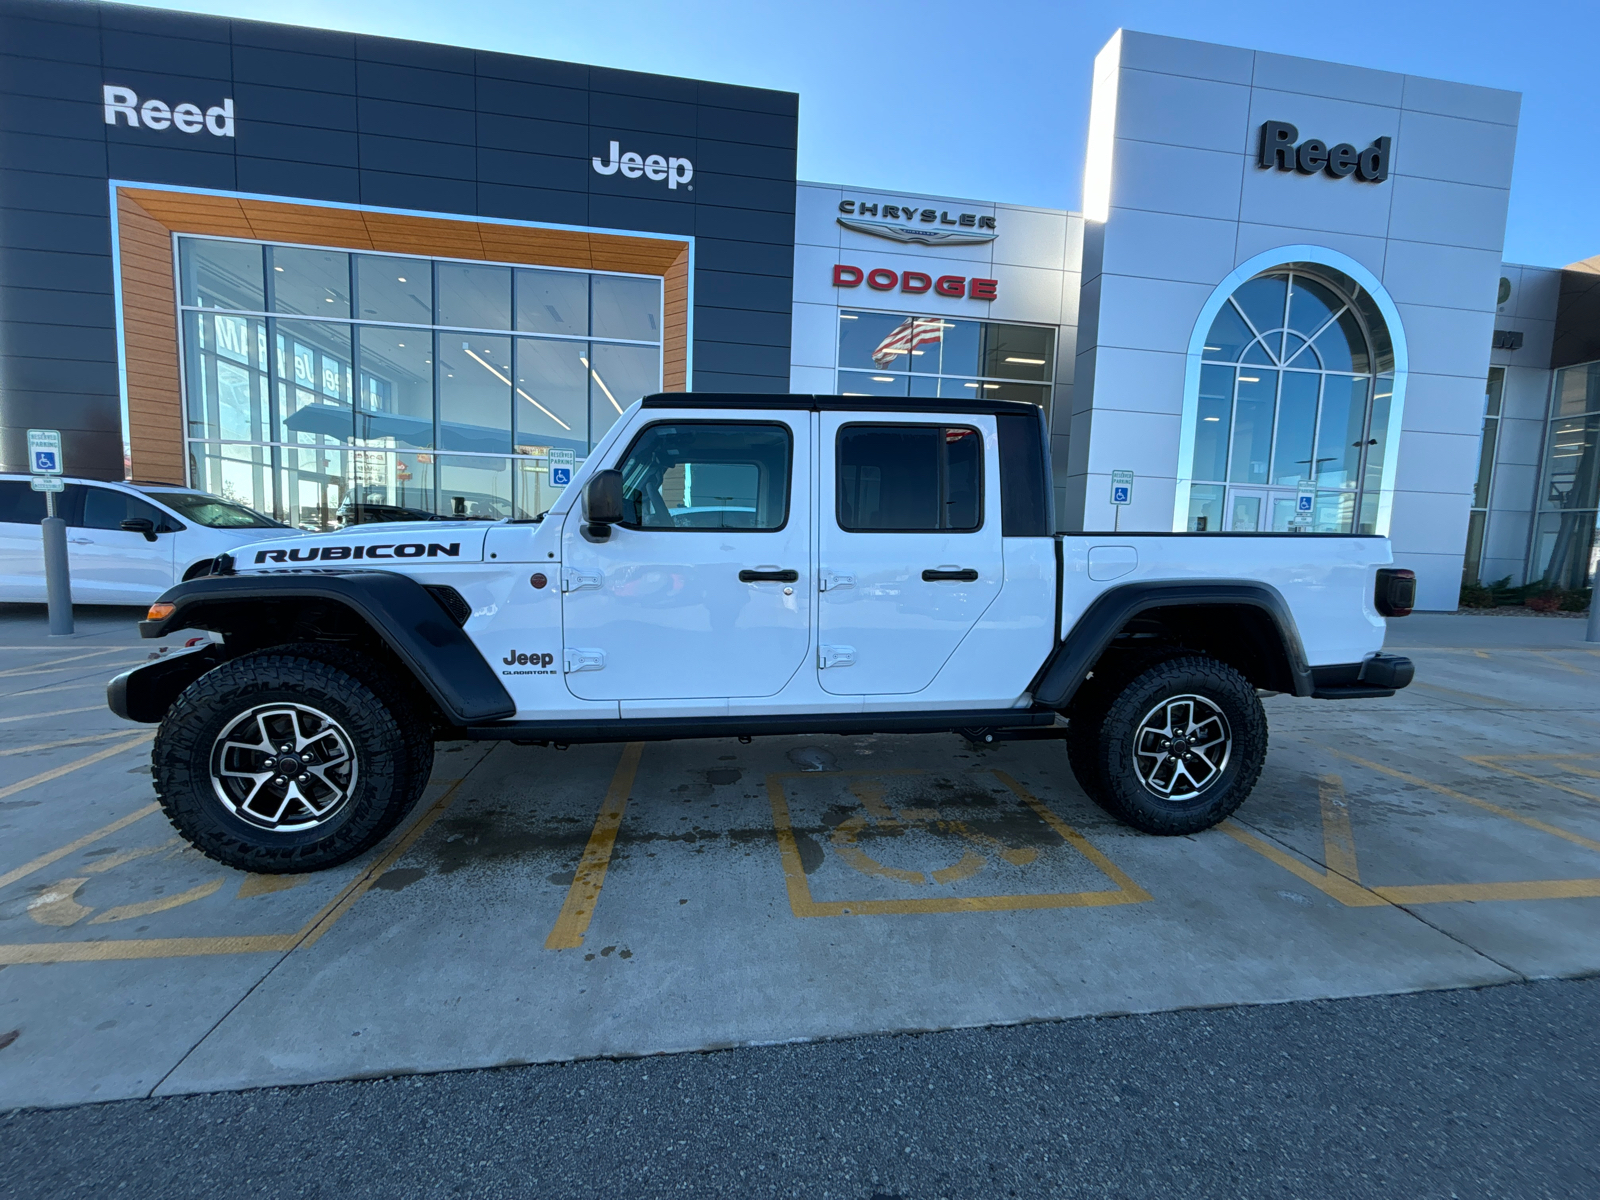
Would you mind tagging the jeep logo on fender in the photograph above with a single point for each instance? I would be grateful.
(513, 659)
(381, 550)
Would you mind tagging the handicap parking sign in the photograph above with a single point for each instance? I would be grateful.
(1121, 495)
(1303, 502)
(561, 464)
(44, 451)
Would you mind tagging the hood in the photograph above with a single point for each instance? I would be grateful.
(382, 545)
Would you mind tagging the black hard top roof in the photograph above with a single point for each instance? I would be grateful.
(912, 404)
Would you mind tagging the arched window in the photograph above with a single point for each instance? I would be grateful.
(1296, 381)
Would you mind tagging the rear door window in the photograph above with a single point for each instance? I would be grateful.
(20, 504)
(910, 478)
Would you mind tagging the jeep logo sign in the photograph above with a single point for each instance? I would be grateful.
(653, 166)
(123, 102)
(1278, 149)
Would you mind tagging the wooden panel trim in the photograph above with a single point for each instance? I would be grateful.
(147, 218)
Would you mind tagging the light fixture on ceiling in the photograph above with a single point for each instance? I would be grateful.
(883, 379)
(1032, 362)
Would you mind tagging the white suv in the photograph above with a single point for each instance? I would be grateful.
(126, 542)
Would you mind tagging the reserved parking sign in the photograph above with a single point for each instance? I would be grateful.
(44, 451)
(561, 464)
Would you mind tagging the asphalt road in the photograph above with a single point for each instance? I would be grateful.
(1479, 1093)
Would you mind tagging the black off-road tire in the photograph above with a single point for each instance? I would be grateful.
(400, 695)
(389, 772)
(1118, 785)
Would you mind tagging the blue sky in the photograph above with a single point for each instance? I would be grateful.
(989, 99)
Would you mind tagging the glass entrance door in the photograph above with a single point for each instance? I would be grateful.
(1246, 510)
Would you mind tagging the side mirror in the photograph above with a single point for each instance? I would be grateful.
(142, 525)
(602, 504)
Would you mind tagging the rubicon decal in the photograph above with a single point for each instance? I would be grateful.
(343, 553)
(651, 166)
(915, 283)
(122, 103)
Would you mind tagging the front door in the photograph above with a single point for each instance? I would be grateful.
(109, 564)
(703, 590)
(1247, 511)
(909, 552)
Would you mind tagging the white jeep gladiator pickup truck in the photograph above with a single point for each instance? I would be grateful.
(734, 565)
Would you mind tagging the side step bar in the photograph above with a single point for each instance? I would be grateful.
(997, 721)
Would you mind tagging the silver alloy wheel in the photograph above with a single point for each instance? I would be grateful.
(284, 767)
(1181, 747)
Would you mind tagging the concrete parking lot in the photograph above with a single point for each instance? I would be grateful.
(546, 905)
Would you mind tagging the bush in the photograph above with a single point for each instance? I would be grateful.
(1577, 600)
(1547, 601)
(1476, 595)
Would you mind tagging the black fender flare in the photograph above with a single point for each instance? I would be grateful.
(409, 620)
(1082, 645)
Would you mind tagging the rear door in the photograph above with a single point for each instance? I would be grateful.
(703, 591)
(909, 551)
(21, 542)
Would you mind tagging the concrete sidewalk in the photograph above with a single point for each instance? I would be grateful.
(1522, 631)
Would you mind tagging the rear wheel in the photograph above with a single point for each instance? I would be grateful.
(1177, 749)
(277, 763)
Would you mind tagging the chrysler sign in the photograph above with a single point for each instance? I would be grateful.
(924, 226)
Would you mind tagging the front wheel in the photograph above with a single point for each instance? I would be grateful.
(1179, 748)
(276, 763)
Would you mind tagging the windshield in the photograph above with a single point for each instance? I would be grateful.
(215, 512)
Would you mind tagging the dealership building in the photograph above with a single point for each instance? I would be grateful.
(324, 273)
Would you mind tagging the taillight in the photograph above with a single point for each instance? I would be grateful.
(1396, 592)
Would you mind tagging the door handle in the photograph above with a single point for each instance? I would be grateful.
(966, 575)
(784, 576)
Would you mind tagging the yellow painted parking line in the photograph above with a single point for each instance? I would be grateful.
(590, 877)
(88, 761)
(1341, 879)
(1489, 760)
(75, 741)
(1459, 893)
(1550, 657)
(60, 664)
(88, 839)
(60, 712)
(802, 904)
(1345, 891)
(1577, 839)
(196, 947)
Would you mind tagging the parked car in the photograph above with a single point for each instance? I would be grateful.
(126, 542)
(898, 574)
(362, 508)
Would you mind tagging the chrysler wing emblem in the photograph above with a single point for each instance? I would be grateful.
(897, 231)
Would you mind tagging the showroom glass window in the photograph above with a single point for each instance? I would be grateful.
(1296, 381)
(1566, 549)
(329, 387)
(893, 354)
(1482, 488)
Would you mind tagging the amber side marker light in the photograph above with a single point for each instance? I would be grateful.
(160, 612)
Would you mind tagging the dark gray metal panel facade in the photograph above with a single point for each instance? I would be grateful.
(326, 116)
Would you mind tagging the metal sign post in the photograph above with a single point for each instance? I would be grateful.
(44, 461)
(1121, 493)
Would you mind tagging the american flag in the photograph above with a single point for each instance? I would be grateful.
(906, 336)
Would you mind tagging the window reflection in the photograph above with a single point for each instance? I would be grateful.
(898, 355)
(1302, 407)
(323, 415)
